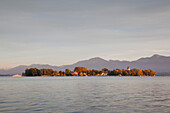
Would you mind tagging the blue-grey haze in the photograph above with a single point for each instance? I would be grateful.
(61, 32)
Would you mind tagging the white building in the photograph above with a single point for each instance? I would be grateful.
(128, 68)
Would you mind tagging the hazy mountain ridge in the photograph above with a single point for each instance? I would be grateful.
(159, 63)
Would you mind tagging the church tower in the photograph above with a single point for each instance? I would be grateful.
(128, 68)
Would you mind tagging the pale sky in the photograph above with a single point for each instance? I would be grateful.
(59, 32)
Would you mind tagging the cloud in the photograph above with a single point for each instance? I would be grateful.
(159, 51)
(85, 27)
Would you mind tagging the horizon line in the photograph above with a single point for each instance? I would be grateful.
(6, 68)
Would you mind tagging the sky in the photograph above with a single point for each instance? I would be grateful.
(60, 32)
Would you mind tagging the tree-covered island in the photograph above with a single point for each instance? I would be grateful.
(82, 71)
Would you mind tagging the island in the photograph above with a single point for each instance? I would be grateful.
(83, 71)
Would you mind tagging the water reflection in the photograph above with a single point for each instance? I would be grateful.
(85, 94)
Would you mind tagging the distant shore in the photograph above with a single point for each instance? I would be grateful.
(4, 75)
(163, 75)
(83, 71)
(80, 76)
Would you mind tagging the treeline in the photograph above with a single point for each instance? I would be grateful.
(133, 72)
(82, 71)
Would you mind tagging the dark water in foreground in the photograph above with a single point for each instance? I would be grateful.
(85, 94)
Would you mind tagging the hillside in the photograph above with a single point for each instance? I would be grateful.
(161, 64)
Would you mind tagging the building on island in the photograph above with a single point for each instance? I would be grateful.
(17, 75)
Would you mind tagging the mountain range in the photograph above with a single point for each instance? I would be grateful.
(159, 63)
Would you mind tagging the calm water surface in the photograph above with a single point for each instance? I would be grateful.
(85, 94)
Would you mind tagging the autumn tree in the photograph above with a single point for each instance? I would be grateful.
(55, 73)
(32, 72)
(105, 70)
(149, 72)
(81, 74)
(67, 72)
(80, 69)
(61, 73)
(139, 72)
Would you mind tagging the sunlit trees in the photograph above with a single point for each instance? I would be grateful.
(126, 73)
(82, 71)
(68, 72)
(104, 70)
(61, 73)
(133, 72)
(43, 71)
(32, 72)
(149, 72)
(139, 72)
(81, 74)
(50, 71)
(116, 72)
(55, 73)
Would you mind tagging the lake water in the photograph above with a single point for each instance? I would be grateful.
(85, 94)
